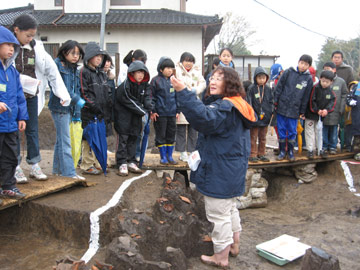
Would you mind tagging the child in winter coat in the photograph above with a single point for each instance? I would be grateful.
(353, 100)
(332, 120)
(165, 111)
(322, 102)
(95, 91)
(132, 102)
(190, 74)
(67, 60)
(291, 98)
(13, 113)
(260, 97)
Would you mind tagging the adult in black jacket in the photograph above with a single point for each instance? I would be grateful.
(132, 102)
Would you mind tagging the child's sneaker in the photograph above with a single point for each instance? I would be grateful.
(123, 170)
(92, 170)
(134, 168)
(310, 155)
(13, 193)
(20, 176)
(78, 177)
(184, 156)
(253, 159)
(332, 151)
(37, 173)
(264, 159)
(324, 154)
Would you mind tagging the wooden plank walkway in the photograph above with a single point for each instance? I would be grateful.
(152, 161)
(37, 189)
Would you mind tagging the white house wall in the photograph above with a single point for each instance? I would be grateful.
(156, 41)
(95, 6)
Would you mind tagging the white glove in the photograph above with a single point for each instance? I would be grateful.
(352, 102)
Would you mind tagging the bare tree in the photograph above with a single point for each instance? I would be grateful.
(234, 34)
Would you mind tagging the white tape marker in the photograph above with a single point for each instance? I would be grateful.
(95, 217)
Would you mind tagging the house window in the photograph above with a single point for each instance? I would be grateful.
(112, 48)
(52, 49)
(58, 3)
(125, 2)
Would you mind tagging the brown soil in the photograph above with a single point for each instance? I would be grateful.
(317, 213)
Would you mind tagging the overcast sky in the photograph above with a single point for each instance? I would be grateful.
(275, 35)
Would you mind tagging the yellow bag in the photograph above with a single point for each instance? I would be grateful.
(76, 133)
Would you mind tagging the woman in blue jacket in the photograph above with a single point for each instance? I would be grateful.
(223, 123)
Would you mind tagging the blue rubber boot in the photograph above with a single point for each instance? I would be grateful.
(291, 155)
(282, 153)
(163, 159)
(169, 151)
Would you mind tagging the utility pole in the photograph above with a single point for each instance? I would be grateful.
(102, 25)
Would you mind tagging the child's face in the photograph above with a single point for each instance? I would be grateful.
(96, 61)
(139, 75)
(331, 69)
(226, 57)
(6, 50)
(261, 79)
(303, 66)
(167, 72)
(107, 66)
(325, 83)
(73, 55)
(188, 65)
(24, 36)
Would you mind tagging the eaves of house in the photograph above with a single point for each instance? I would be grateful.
(210, 25)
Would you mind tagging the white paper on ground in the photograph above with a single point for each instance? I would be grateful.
(285, 246)
(29, 84)
(194, 160)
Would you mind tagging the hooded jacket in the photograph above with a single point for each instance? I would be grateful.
(354, 95)
(94, 88)
(132, 101)
(11, 92)
(223, 142)
(261, 99)
(320, 99)
(340, 90)
(163, 93)
(292, 93)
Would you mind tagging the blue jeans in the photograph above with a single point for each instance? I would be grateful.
(330, 137)
(63, 163)
(32, 133)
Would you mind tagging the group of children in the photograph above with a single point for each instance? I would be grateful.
(298, 96)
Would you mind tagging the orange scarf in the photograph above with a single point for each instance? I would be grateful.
(243, 107)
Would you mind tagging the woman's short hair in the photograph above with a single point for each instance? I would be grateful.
(233, 84)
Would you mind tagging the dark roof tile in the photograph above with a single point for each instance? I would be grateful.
(114, 16)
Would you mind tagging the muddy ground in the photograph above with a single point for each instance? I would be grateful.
(317, 213)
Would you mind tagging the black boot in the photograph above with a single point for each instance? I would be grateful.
(282, 153)
(291, 145)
